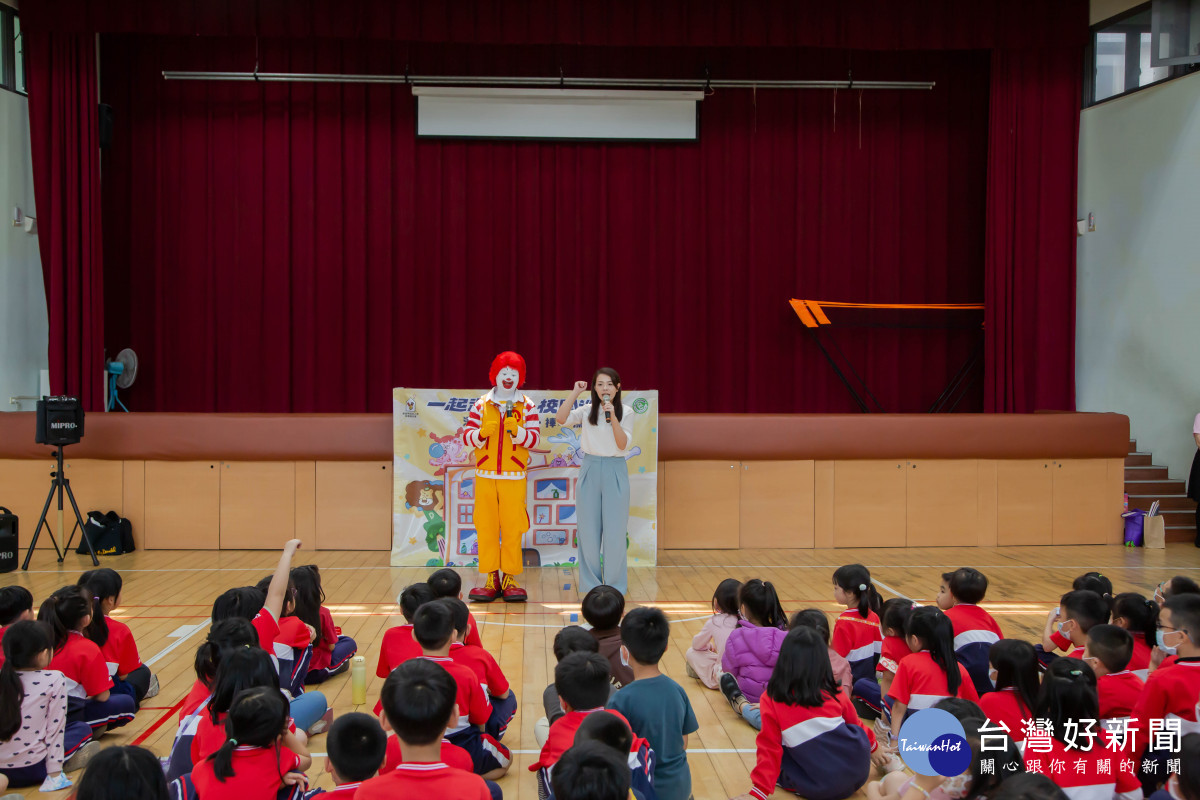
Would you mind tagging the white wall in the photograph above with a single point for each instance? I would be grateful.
(24, 329)
(1100, 10)
(1138, 323)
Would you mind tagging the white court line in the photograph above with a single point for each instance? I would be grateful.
(557, 627)
(878, 582)
(194, 629)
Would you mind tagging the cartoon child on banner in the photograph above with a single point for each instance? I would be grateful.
(428, 499)
(503, 428)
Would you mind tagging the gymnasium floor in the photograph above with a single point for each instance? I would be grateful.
(168, 594)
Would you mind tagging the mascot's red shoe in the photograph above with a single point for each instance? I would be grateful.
(512, 591)
(489, 591)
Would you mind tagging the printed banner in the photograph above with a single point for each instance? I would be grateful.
(433, 503)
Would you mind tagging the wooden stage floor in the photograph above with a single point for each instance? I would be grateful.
(168, 595)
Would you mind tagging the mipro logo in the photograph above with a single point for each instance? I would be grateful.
(60, 425)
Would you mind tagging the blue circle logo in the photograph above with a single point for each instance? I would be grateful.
(933, 742)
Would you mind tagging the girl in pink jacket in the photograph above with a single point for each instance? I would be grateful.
(704, 656)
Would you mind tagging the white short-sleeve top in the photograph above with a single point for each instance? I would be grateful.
(598, 439)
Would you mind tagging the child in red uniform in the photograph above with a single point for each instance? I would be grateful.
(445, 582)
(870, 694)
(856, 634)
(16, 604)
(932, 672)
(419, 699)
(975, 631)
(1139, 616)
(1014, 675)
(113, 637)
(1173, 689)
(90, 697)
(1068, 694)
(253, 762)
(495, 685)
(249, 668)
(582, 682)
(433, 628)
(1107, 652)
(356, 747)
(332, 650)
(1068, 624)
(398, 644)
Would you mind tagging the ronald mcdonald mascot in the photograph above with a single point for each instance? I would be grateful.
(503, 428)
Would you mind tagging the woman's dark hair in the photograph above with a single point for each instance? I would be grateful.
(1189, 776)
(762, 603)
(618, 409)
(241, 669)
(309, 597)
(244, 602)
(1068, 693)
(726, 596)
(1016, 666)
(1028, 786)
(1141, 613)
(23, 641)
(894, 614)
(936, 633)
(64, 611)
(122, 772)
(257, 718)
(811, 618)
(802, 675)
(855, 579)
(102, 583)
(223, 637)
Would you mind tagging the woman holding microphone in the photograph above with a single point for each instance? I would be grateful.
(602, 502)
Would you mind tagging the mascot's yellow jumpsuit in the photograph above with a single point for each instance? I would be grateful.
(502, 442)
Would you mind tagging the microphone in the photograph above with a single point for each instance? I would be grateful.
(607, 413)
(508, 408)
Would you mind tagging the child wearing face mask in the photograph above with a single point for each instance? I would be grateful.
(1014, 677)
(1077, 613)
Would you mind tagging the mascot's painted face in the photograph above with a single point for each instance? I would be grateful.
(507, 380)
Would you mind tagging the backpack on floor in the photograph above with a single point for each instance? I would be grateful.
(10, 543)
(110, 534)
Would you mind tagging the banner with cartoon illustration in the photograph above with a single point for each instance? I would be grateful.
(432, 508)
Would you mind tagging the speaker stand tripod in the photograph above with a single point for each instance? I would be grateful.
(60, 484)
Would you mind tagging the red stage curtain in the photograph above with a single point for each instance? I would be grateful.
(66, 179)
(284, 248)
(1033, 162)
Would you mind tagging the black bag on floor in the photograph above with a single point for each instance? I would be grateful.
(10, 543)
(110, 534)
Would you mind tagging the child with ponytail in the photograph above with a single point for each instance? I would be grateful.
(1014, 677)
(35, 736)
(856, 634)
(1068, 695)
(90, 697)
(703, 658)
(932, 672)
(254, 760)
(332, 651)
(1138, 615)
(752, 648)
(113, 637)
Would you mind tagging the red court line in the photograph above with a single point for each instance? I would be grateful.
(146, 734)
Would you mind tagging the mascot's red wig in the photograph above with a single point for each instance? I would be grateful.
(507, 359)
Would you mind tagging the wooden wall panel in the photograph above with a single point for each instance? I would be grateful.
(1082, 509)
(258, 504)
(823, 504)
(869, 503)
(942, 503)
(133, 506)
(353, 506)
(777, 504)
(1024, 502)
(987, 503)
(183, 505)
(703, 509)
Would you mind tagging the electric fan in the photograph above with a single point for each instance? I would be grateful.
(121, 373)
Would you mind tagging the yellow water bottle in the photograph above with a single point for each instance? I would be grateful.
(358, 680)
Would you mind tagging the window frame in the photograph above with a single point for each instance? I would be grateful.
(8, 53)
(1089, 59)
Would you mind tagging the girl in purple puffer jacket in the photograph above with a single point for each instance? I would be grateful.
(752, 649)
